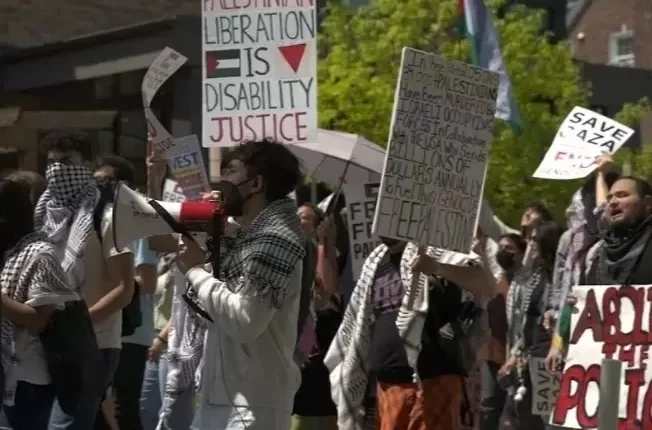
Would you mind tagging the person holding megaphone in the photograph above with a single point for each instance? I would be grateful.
(249, 374)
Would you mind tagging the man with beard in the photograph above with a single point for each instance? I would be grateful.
(102, 275)
(626, 242)
(249, 376)
(392, 327)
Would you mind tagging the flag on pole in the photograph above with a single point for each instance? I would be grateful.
(485, 52)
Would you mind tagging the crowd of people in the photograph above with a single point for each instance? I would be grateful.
(149, 337)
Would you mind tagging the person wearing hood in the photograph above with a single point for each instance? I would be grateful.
(388, 345)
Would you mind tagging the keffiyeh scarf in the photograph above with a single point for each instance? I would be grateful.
(31, 274)
(346, 359)
(525, 282)
(65, 211)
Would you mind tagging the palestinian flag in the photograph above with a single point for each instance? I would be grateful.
(224, 63)
(476, 24)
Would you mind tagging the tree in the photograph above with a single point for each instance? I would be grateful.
(357, 78)
(638, 161)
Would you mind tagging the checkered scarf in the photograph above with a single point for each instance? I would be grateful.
(267, 250)
(31, 274)
(65, 210)
(347, 356)
(525, 282)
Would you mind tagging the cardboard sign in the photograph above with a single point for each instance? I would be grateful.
(582, 136)
(187, 166)
(259, 68)
(545, 387)
(361, 206)
(442, 126)
(610, 322)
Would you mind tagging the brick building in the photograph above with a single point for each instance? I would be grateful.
(617, 33)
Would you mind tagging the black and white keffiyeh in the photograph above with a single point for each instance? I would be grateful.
(347, 356)
(65, 210)
(266, 252)
(32, 274)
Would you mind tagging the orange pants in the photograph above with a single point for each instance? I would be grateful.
(435, 406)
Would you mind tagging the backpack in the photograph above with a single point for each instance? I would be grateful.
(132, 317)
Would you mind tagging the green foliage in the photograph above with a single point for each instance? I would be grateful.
(640, 162)
(357, 79)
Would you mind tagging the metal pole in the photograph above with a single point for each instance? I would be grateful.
(610, 376)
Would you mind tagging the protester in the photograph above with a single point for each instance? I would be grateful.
(33, 286)
(249, 376)
(103, 275)
(313, 406)
(527, 301)
(379, 328)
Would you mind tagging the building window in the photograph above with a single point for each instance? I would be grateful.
(621, 49)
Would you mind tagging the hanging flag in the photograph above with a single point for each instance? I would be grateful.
(485, 52)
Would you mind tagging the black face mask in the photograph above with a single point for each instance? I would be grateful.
(506, 259)
(231, 197)
(106, 185)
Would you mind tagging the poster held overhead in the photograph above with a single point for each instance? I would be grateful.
(583, 136)
(438, 148)
(259, 70)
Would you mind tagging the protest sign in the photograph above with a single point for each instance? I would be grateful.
(187, 166)
(165, 65)
(582, 136)
(167, 62)
(545, 387)
(172, 192)
(259, 71)
(615, 323)
(438, 148)
(360, 207)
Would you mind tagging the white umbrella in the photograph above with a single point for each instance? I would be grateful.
(339, 157)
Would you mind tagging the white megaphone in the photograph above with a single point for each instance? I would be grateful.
(137, 217)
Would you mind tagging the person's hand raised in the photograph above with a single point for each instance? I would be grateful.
(155, 164)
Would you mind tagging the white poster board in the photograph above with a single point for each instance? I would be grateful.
(583, 136)
(187, 166)
(441, 130)
(259, 73)
(164, 66)
(360, 207)
(172, 192)
(610, 322)
(545, 387)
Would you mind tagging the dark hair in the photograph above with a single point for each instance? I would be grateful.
(67, 141)
(547, 237)
(273, 161)
(123, 170)
(16, 213)
(643, 187)
(542, 210)
(319, 214)
(518, 240)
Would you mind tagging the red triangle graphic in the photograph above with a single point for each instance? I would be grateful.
(211, 63)
(293, 54)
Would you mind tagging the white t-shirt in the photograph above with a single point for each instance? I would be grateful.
(98, 281)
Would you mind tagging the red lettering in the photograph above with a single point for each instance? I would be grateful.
(611, 319)
(576, 375)
(627, 354)
(646, 418)
(288, 127)
(589, 320)
(634, 380)
(560, 156)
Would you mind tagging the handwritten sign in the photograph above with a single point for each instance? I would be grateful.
(172, 192)
(583, 136)
(165, 65)
(545, 387)
(610, 322)
(361, 206)
(187, 166)
(438, 148)
(259, 71)
(167, 62)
